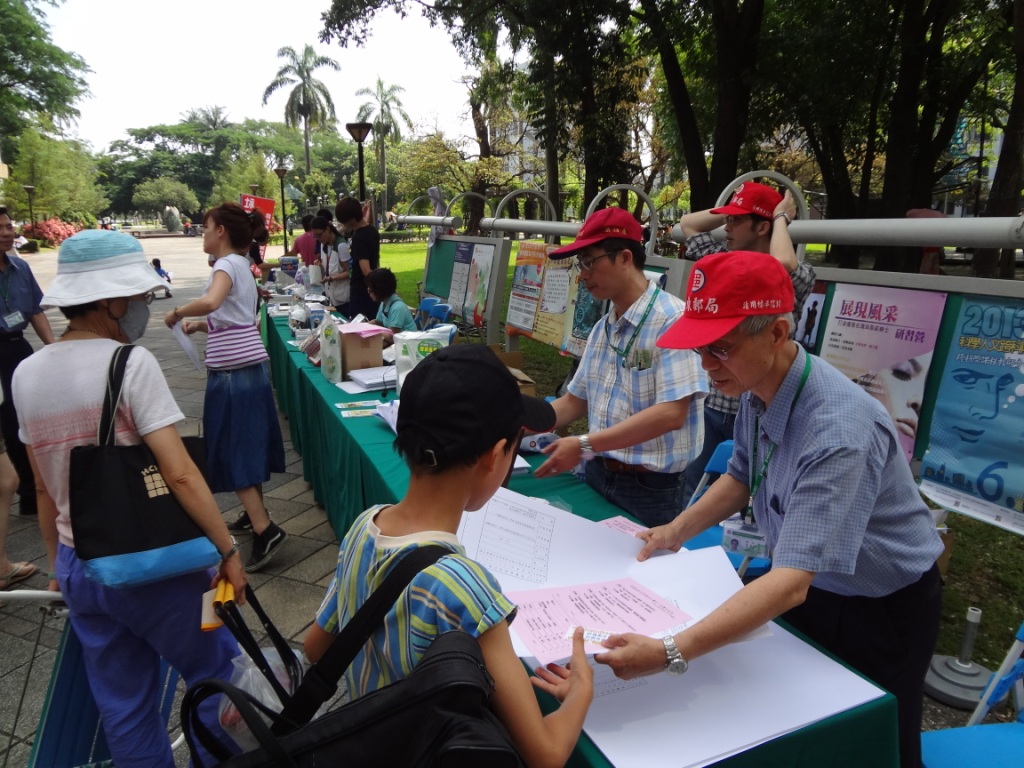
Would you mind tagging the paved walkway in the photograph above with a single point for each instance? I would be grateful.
(290, 587)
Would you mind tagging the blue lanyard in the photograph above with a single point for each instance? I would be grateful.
(757, 475)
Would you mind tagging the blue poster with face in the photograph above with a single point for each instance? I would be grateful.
(975, 458)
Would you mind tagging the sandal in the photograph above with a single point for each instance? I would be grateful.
(18, 572)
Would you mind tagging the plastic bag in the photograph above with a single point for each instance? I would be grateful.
(330, 350)
(248, 678)
(413, 346)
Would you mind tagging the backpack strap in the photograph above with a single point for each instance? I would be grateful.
(321, 680)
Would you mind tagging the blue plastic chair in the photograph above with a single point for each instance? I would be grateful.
(996, 745)
(440, 314)
(427, 303)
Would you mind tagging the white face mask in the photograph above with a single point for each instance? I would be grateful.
(133, 323)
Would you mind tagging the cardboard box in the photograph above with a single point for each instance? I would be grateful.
(360, 351)
(514, 362)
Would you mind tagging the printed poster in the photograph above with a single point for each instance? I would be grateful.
(883, 339)
(976, 444)
(460, 276)
(475, 306)
(807, 325)
(265, 206)
(580, 321)
(527, 284)
(554, 302)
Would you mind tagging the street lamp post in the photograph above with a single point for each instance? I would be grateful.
(31, 192)
(359, 132)
(254, 187)
(281, 172)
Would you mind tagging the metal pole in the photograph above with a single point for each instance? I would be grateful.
(284, 216)
(362, 179)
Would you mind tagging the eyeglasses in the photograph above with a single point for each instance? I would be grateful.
(146, 297)
(719, 353)
(733, 220)
(585, 265)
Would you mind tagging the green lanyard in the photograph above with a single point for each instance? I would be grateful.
(624, 353)
(5, 286)
(758, 478)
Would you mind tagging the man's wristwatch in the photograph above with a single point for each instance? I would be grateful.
(586, 449)
(783, 215)
(675, 664)
(225, 556)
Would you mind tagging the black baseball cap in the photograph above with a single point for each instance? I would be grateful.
(461, 400)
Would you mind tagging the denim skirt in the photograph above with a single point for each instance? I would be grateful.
(243, 436)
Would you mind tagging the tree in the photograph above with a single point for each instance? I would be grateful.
(63, 174)
(154, 195)
(310, 100)
(37, 79)
(386, 113)
(1005, 196)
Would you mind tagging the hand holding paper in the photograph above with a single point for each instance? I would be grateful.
(559, 681)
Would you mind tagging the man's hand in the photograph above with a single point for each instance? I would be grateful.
(563, 455)
(660, 537)
(633, 655)
(787, 206)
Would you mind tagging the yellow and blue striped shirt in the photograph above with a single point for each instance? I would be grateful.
(455, 593)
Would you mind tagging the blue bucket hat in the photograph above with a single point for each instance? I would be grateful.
(100, 264)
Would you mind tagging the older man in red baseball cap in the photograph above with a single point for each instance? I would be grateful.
(819, 469)
(642, 402)
(756, 218)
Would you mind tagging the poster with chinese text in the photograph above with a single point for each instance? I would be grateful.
(527, 283)
(883, 339)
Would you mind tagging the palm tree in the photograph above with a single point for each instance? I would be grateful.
(309, 100)
(385, 111)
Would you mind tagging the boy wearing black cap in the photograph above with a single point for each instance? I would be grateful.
(459, 422)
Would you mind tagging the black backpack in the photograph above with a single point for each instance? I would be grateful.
(437, 716)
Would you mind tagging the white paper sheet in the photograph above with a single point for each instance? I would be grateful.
(728, 701)
(186, 344)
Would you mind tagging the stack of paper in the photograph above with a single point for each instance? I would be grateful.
(369, 378)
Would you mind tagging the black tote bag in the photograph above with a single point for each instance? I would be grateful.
(129, 528)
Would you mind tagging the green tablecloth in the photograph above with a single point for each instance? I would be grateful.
(350, 464)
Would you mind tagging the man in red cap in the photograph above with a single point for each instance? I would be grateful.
(642, 402)
(756, 219)
(818, 467)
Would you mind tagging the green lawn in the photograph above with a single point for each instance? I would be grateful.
(987, 566)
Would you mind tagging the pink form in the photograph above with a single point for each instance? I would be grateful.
(622, 605)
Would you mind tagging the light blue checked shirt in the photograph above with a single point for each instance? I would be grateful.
(651, 375)
(838, 497)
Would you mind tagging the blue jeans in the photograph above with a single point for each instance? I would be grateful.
(718, 427)
(653, 498)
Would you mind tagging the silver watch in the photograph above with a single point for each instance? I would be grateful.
(675, 664)
(586, 449)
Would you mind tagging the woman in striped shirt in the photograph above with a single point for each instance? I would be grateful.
(243, 437)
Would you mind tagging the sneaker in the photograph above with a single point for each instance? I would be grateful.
(242, 524)
(263, 546)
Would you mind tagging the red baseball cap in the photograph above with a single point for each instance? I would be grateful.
(751, 197)
(724, 289)
(602, 225)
